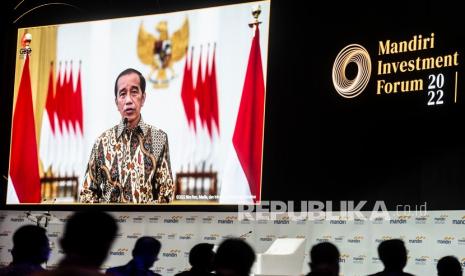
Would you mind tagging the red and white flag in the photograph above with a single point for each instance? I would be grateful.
(215, 116)
(24, 164)
(47, 133)
(77, 102)
(207, 114)
(188, 93)
(78, 122)
(248, 133)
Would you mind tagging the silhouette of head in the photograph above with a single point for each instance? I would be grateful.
(393, 254)
(449, 266)
(234, 257)
(201, 257)
(30, 245)
(325, 259)
(87, 237)
(146, 251)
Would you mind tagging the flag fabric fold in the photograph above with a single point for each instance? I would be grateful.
(187, 92)
(78, 104)
(207, 114)
(47, 132)
(214, 94)
(199, 92)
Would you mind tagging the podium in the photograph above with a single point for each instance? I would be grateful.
(284, 257)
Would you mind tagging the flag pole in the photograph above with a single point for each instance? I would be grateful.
(24, 163)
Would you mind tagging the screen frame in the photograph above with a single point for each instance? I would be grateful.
(29, 16)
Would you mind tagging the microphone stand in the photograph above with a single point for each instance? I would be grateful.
(244, 236)
(37, 218)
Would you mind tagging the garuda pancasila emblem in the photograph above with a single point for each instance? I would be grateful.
(160, 53)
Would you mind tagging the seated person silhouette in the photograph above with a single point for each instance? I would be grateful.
(393, 255)
(234, 257)
(449, 266)
(201, 259)
(144, 255)
(86, 240)
(31, 249)
(324, 260)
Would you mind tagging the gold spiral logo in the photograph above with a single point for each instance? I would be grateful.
(350, 88)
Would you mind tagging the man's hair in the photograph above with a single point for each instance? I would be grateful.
(235, 255)
(89, 235)
(30, 243)
(449, 266)
(324, 259)
(127, 72)
(201, 255)
(324, 253)
(146, 246)
(393, 254)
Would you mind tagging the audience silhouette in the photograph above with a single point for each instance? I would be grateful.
(31, 248)
(234, 257)
(324, 260)
(88, 236)
(201, 259)
(86, 240)
(393, 255)
(449, 266)
(144, 255)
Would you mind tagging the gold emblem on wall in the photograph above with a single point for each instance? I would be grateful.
(160, 53)
(357, 54)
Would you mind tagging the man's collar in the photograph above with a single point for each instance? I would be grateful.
(141, 125)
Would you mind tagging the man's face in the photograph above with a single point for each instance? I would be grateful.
(130, 98)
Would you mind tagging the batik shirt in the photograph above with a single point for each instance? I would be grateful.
(129, 166)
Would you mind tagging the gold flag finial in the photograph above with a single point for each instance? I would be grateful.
(25, 45)
(256, 11)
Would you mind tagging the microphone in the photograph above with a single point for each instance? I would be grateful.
(243, 236)
(125, 122)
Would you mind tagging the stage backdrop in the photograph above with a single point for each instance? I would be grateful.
(428, 236)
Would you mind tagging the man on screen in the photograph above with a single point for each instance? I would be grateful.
(130, 162)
